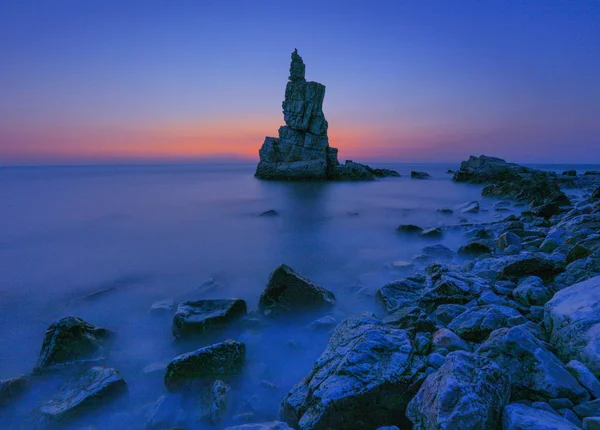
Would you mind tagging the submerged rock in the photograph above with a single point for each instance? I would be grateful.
(11, 388)
(572, 317)
(288, 291)
(518, 416)
(467, 392)
(71, 340)
(363, 380)
(302, 151)
(221, 359)
(97, 384)
(200, 316)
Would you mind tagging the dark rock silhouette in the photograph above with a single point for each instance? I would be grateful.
(302, 151)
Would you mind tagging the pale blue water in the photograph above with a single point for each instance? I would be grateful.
(153, 232)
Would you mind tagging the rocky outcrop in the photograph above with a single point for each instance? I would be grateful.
(467, 392)
(302, 151)
(289, 292)
(363, 380)
(201, 316)
(510, 180)
(221, 359)
(572, 317)
(97, 384)
(71, 340)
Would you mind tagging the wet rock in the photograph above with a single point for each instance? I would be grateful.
(12, 388)
(215, 402)
(470, 207)
(269, 213)
(419, 175)
(580, 270)
(596, 193)
(411, 317)
(436, 360)
(588, 409)
(467, 392)
(591, 423)
(221, 359)
(432, 233)
(450, 284)
(95, 385)
(365, 377)
(531, 291)
(569, 415)
(444, 314)
(201, 316)
(71, 340)
(409, 229)
(584, 377)
(273, 425)
(474, 249)
(578, 252)
(422, 343)
(517, 416)
(535, 372)
(477, 323)
(288, 291)
(162, 307)
(444, 338)
(572, 318)
(549, 245)
(560, 403)
(529, 264)
(508, 239)
(400, 294)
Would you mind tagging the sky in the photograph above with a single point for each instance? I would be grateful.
(111, 81)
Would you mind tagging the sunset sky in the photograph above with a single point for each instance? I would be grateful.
(103, 80)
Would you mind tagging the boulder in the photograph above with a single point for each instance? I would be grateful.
(580, 270)
(591, 423)
(531, 291)
(365, 377)
(409, 229)
(401, 294)
(467, 392)
(572, 318)
(588, 409)
(412, 317)
(288, 292)
(201, 316)
(221, 359)
(529, 264)
(477, 323)
(450, 284)
(535, 372)
(12, 388)
(518, 416)
(419, 175)
(80, 394)
(432, 233)
(577, 252)
(508, 239)
(474, 250)
(71, 340)
(445, 338)
(444, 314)
(584, 377)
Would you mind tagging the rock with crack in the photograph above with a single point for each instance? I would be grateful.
(289, 292)
(302, 151)
(535, 372)
(201, 316)
(363, 380)
(78, 395)
(71, 340)
(467, 392)
(221, 359)
(572, 317)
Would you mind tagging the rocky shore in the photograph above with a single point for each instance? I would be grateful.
(503, 333)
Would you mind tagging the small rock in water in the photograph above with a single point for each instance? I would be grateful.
(325, 323)
(270, 212)
(221, 359)
(409, 229)
(432, 233)
(474, 249)
(98, 383)
(288, 292)
(201, 316)
(71, 340)
(470, 207)
(11, 388)
(162, 307)
(419, 175)
(211, 285)
(445, 211)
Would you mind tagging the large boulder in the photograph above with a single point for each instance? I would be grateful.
(288, 291)
(200, 316)
(82, 393)
(535, 372)
(467, 392)
(221, 359)
(477, 323)
(71, 340)
(572, 319)
(521, 417)
(302, 151)
(363, 380)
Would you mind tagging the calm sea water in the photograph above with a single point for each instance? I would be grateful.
(105, 242)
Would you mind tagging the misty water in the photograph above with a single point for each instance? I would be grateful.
(106, 242)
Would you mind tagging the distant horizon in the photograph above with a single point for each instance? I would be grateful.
(430, 81)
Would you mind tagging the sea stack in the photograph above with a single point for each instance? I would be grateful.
(302, 151)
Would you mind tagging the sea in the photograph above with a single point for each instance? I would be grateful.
(106, 242)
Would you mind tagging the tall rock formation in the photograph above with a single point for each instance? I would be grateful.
(302, 151)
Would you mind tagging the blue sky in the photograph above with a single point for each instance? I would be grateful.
(408, 81)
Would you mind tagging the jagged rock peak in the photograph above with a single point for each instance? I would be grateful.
(297, 67)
